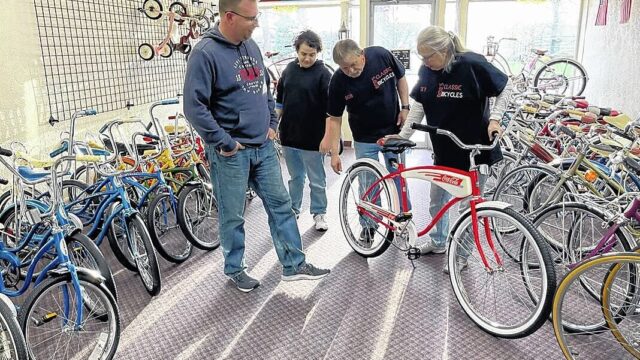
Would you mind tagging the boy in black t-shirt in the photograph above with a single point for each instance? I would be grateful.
(368, 84)
(302, 105)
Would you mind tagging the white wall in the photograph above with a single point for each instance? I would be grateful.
(24, 109)
(610, 56)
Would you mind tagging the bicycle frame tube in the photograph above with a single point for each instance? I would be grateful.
(435, 174)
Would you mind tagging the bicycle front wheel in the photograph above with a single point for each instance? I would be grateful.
(573, 231)
(620, 305)
(571, 307)
(12, 341)
(162, 222)
(143, 254)
(198, 216)
(53, 330)
(495, 297)
(366, 232)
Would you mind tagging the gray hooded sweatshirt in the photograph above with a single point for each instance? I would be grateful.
(226, 93)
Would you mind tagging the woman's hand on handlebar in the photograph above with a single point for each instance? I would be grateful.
(494, 127)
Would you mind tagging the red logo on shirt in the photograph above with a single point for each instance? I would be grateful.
(449, 91)
(348, 97)
(380, 79)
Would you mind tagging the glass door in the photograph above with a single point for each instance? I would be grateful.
(395, 26)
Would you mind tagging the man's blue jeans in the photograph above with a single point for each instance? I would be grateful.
(301, 163)
(260, 168)
(372, 151)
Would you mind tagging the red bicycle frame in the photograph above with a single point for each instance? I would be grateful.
(444, 175)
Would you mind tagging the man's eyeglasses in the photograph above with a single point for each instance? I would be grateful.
(250, 18)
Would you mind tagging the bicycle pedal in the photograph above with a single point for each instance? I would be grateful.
(413, 253)
(45, 319)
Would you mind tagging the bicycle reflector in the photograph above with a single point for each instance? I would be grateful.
(590, 176)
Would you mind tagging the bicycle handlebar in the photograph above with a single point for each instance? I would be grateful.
(5, 152)
(452, 136)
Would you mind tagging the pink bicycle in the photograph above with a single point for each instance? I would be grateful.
(489, 284)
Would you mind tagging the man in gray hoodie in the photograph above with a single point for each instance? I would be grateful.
(226, 98)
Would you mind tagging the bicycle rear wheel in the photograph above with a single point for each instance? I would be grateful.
(496, 299)
(561, 77)
(366, 232)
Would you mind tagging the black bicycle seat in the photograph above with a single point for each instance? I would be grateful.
(395, 145)
(122, 149)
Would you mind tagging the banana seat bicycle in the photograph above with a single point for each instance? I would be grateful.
(69, 311)
(487, 283)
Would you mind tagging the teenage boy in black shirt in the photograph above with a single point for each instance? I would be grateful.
(302, 103)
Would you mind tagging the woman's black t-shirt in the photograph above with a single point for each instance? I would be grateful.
(458, 101)
(372, 98)
(303, 94)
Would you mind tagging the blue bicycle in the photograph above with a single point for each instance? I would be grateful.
(70, 312)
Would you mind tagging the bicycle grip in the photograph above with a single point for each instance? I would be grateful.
(172, 101)
(151, 136)
(90, 112)
(103, 128)
(3, 181)
(64, 146)
(567, 131)
(149, 125)
(494, 134)
(605, 111)
(553, 99)
(424, 127)
(5, 152)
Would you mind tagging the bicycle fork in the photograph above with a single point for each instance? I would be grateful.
(487, 232)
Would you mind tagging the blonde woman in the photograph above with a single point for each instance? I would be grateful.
(453, 92)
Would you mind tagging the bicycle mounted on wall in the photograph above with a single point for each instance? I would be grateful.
(197, 24)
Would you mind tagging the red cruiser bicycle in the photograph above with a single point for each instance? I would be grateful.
(488, 283)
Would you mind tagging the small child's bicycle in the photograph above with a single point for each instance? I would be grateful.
(488, 284)
(176, 15)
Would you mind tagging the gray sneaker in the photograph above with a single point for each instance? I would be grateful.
(244, 282)
(307, 272)
(431, 248)
(367, 234)
(462, 264)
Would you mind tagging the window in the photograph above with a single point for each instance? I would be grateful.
(552, 25)
(280, 24)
